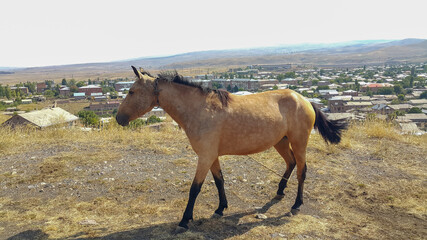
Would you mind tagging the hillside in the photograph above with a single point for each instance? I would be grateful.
(133, 184)
(340, 54)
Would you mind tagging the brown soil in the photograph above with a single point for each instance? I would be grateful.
(374, 188)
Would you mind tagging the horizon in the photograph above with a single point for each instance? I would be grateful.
(51, 33)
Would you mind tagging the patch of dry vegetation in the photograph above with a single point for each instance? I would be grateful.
(128, 184)
(4, 118)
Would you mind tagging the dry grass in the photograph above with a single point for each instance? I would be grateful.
(4, 118)
(133, 183)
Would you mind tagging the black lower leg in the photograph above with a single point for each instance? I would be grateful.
(219, 182)
(188, 213)
(299, 199)
(283, 183)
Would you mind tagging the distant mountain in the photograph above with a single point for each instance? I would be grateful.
(354, 53)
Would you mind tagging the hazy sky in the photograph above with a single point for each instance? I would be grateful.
(55, 32)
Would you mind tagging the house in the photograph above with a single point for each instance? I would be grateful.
(337, 104)
(7, 102)
(373, 87)
(23, 90)
(420, 119)
(328, 93)
(26, 101)
(106, 108)
(122, 86)
(342, 116)
(357, 105)
(79, 96)
(65, 91)
(401, 107)
(382, 109)
(89, 89)
(418, 101)
(350, 93)
(42, 118)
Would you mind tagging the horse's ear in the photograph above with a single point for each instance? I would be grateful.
(137, 73)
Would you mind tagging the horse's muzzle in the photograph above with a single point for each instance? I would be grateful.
(122, 119)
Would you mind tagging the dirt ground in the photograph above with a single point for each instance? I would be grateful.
(368, 187)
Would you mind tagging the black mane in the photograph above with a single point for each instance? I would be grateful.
(174, 77)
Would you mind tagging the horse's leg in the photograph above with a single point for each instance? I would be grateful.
(286, 152)
(299, 149)
(203, 166)
(219, 182)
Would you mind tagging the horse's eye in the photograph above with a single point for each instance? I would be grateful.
(130, 92)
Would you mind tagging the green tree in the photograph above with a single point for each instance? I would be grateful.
(423, 95)
(2, 91)
(401, 97)
(153, 119)
(229, 88)
(88, 118)
(385, 91)
(398, 89)
(64, 81)
(322, 88)
(235, 89)
(49, 93)
(275, 87)
(290, 75)
(415, 110)
(80, 84)
(7, 92)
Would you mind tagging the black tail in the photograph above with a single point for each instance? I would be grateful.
(329, 129)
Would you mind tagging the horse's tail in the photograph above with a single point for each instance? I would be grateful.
(329, 129)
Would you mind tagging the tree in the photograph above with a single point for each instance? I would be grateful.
(49, 93)
(7, 92)
(64, 81)
(398, 89)
(80, 84)
(415, 110)
(2, 92)
(322, 88)
(153, 119)
(290, 75)
(88, 118)
(235, 89)
(229, 88)
(423, 95)
(275, 87)
(401, 97)
(385, 91)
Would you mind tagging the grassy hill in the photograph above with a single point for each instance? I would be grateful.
(119, 183)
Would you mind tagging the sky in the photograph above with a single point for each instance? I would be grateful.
(58, 32)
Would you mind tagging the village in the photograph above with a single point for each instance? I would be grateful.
(395, 93)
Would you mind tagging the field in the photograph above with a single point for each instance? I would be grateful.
(133, 184)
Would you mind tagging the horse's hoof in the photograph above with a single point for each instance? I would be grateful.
(180, 229)
(279, 197)
(216, 215)
(294, 211)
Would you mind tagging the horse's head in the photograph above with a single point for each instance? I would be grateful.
(140, 99)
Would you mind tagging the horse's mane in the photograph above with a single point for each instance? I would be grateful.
(174, 77)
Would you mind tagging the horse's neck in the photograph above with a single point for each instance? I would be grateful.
(180, 102)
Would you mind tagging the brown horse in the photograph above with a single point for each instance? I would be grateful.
(219, 123)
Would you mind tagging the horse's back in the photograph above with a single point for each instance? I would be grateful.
(254, 123)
